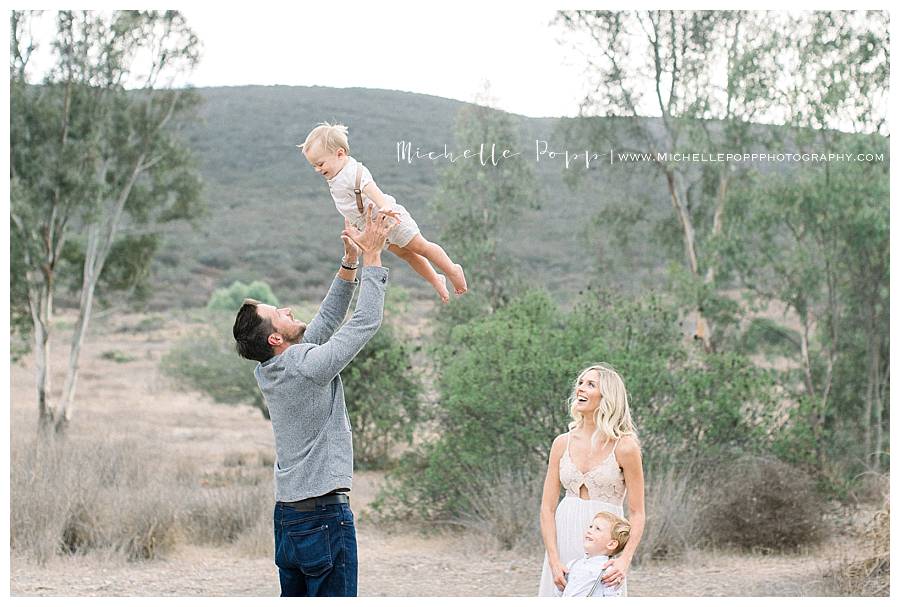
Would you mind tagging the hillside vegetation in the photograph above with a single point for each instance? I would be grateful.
(270, 217)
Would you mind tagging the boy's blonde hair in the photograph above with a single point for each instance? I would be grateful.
(331, 136)
(619, 529)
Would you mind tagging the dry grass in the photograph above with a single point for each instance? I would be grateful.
(673, 504)
(503, 505)
(115, 496)
(867, 571)
(257, 539)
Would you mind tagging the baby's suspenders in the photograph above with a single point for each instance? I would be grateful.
(357, 191)
(596, 583)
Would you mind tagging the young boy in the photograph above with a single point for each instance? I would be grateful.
(605, 537)
(352, 188)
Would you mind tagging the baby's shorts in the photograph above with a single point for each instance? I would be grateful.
(402, 233)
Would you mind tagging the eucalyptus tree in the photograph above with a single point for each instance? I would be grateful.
(837, 103)
(818, 247)
(96, 166)
(815, 239)
(684, 82)
(723, 82)
(479, 196)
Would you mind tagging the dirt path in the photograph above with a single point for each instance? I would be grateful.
(409, 566)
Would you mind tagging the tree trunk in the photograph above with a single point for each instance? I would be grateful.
(869, 454)
(97, 250)
(67, 403)
(718, 221)
(703, 331)
(881, 381)
(872, 387)
(40, 317)
(684, 218)
(814, 418)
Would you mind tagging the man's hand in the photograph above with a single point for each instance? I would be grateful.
(351, 251)
(371, 240)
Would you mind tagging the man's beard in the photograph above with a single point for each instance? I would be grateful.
(295, 337)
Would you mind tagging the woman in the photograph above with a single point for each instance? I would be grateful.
(602, 442)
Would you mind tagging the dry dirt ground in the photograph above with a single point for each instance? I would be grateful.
(130, 398)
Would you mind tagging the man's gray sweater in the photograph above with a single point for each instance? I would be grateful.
(305, 397)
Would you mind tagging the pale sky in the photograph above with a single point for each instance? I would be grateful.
(446, 49)
(449, 48)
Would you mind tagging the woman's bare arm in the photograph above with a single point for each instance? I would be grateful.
(628, 454)
(549, 501)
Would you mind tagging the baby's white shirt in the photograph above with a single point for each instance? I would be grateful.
(342, 186)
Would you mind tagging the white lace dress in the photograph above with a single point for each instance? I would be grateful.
(605, 485)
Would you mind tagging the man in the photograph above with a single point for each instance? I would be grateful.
(299, 376)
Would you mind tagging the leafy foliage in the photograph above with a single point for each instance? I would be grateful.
(816, 241)
(381, 389)
(476, 200)
(816, 71)
(505, 379)
(383, 396)
(215, 369)
(95, 169)
(229, 299)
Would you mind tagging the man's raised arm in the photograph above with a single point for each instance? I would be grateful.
(336, 303)
(324, 362)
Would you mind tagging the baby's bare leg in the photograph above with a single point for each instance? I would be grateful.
(436, 255)
(423, 269)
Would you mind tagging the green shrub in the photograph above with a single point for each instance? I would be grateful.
(504, 380)
(382, 394)
(230, 299)
(767, 336)
(215, 369)
(117, 356)
(704, 405)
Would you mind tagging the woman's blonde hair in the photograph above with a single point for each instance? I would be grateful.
(612, 416)
(331, 136)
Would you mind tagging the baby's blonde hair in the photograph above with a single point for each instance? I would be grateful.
(619, 529)
(331, 136)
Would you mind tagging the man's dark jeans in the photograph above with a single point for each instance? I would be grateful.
(316, 551)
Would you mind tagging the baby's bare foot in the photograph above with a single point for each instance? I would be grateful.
(458, 278)
(441, 288)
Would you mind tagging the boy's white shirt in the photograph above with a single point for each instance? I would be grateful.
(343, 184)
(583, 573)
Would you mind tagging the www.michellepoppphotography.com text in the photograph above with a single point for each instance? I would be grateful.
(492, 154)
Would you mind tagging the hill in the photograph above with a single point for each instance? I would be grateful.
(271, 217)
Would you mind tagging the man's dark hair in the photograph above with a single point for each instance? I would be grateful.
(251, 332)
